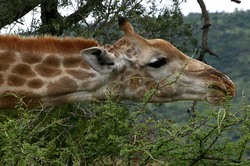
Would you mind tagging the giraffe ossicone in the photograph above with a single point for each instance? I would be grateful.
(47, 71)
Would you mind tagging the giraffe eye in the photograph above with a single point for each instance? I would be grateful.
(157, 63)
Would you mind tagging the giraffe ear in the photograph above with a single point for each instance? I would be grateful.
(97, 58)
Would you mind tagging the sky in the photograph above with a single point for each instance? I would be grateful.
(214, 6)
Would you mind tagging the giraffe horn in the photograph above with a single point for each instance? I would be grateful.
(128, 29)
(125, 25)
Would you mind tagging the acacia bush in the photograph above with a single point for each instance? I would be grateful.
(110, 133)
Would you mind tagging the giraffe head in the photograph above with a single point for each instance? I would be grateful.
(134, 65)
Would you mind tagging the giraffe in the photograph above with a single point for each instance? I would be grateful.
(47, 71)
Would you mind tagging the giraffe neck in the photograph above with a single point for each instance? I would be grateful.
(46, 75)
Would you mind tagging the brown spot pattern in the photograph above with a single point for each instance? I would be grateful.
(4, 67)
(127, 73)
(1, 79)
(61, 86)
(9, 100)
(129, 50)
(47, 71)
(134, 82)
(31, 58)
(23, 70)
(52, 60)
(151, 84)
(49, 67)
(81, 75)
(71, 62)
(35, 83)
(15, 80)
(6, 58)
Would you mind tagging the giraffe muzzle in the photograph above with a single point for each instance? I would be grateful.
(221, 86)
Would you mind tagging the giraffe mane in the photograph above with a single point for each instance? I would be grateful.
(45, 44)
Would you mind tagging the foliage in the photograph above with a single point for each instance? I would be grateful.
(112, 133)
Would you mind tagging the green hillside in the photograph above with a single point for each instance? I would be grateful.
(229, 38)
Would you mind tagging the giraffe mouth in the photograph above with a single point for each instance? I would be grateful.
(221, 87)
(219, 94)
(224, 85)
(215, 87)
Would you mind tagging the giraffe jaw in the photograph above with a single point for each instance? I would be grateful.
(198, 91)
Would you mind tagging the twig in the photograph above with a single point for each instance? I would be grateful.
(236, 1)
(204, 49)
(192, 109)
(205, 29)
(221, 159)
